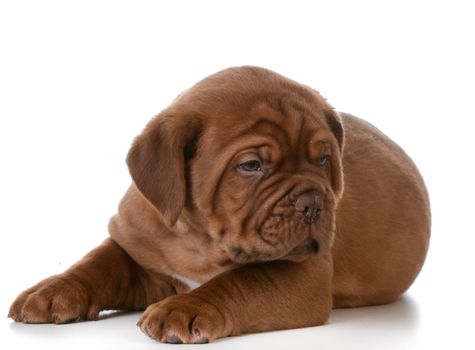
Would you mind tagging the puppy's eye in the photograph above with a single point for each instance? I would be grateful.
(323, 161)
(252, 165)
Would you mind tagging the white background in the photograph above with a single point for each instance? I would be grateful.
(78, 80)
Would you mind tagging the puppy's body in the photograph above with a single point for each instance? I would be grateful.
(248, 200)
(373, 262)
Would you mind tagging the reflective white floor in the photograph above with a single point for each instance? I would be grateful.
(396, 326)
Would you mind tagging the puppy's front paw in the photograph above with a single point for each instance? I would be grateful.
(184, 318)
(58, 299)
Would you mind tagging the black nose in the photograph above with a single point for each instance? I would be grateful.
(309, 204)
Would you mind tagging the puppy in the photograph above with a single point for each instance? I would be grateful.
(251, 188)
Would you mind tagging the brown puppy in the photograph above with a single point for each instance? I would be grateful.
(253, 186)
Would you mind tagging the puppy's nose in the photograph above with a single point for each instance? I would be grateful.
(309, 204)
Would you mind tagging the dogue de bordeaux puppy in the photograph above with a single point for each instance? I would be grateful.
(253, 189)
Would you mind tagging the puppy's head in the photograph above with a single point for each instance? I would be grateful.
(249, 158)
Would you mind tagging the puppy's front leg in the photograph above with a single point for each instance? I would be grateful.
(105, 279)
(253, 298)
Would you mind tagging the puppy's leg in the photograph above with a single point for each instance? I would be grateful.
(105, 279)
(253, 298)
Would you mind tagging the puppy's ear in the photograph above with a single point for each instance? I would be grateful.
(156, 162)
(334, 122)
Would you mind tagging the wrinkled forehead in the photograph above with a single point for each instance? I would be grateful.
(272, 116)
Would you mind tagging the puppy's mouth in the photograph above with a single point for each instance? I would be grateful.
(286, 232)
(309, 243)
(285, 248)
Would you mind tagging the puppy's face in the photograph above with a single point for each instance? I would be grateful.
(250, 159)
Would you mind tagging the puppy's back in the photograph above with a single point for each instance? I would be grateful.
(383, 219)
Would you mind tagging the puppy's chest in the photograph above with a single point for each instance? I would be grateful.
(195, 265)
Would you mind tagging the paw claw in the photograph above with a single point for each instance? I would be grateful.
(173, 339)
(202, 341)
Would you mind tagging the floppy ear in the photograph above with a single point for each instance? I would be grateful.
(334, 122)
(156, 162)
